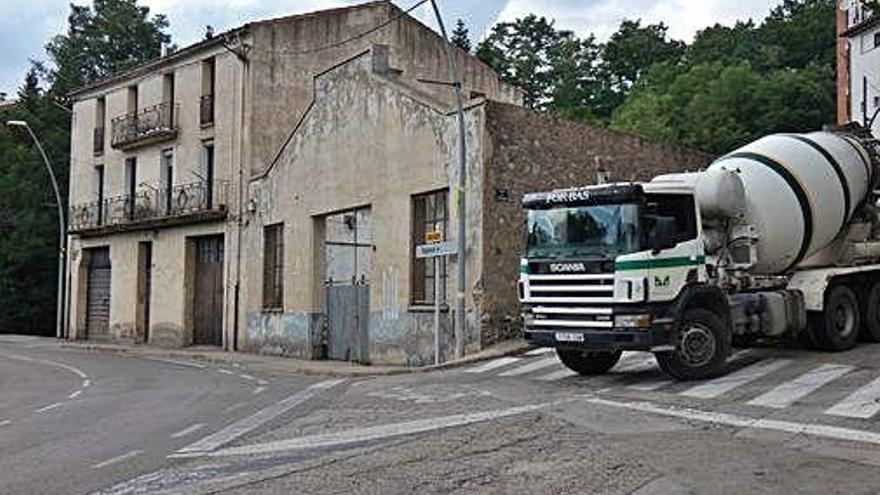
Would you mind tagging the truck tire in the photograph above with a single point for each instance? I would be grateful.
(588, 363)
(703, 344)
(871, 315)
(836, 328)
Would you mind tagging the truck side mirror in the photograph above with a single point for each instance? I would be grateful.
(664, 234)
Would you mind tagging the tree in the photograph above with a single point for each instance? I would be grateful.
(553, 67)
(109, 36)
(461, 36)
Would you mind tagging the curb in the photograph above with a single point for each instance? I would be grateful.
(281, 364)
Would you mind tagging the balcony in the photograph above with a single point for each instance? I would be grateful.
(206, 110)
(98, 140)
(151, 125)
(151, 209)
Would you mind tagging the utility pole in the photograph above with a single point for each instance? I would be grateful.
(62, 229)
(460, 191)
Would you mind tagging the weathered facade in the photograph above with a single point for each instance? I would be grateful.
(161, 155)
(858, 62)
(348, 191)
(265, 191)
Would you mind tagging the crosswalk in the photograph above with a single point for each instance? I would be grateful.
(776, 383)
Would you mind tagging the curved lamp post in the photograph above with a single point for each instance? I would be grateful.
(62, 228)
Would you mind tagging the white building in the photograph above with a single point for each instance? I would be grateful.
(858, 64)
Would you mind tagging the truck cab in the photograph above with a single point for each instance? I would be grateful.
(619, 267)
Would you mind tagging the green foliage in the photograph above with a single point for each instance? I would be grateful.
(554, 68)
(731, 85)
(461, 36)
(100, 40)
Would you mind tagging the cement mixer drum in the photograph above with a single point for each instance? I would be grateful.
(801, 191)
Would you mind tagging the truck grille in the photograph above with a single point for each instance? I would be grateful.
(569, 301)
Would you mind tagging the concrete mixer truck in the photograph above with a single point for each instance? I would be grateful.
(779, 239)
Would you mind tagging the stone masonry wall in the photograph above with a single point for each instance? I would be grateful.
(528, 152)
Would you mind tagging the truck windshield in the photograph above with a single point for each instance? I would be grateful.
(604, 231)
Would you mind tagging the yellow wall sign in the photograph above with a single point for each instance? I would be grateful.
(434, 237)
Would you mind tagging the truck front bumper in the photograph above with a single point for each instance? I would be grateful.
(658, 337)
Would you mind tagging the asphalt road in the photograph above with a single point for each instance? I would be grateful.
(783, 421)
(73, 421)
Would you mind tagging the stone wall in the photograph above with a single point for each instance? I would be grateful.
(526, 152)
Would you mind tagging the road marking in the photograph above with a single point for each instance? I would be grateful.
(724, 384)
(539, 351)
(790, 392)
(177, 362)
(117, 459)
(533, 366)
(557, 375)
(491, 365)
(812, 429)
(188, 431)
(63, 366)
(237, 405)
(863, 403)
(262, 382)
(247, 377)
(259, 390)
(372, 433)
(635, 362)
(224, 371)
(5, 422)
(254, 421)
(86, 383)
(650, 385)
(75, 394)
(49, 407)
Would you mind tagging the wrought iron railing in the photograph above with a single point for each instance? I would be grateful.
(150, 205)
(98, 139)
(206, 110)
(148, 124)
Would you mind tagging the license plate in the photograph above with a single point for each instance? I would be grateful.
(569, 337)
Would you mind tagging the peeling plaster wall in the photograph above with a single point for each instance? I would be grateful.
(368, 141)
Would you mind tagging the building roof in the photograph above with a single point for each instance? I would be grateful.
(151, 65)
(861, 27)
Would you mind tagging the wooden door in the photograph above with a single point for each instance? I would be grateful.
(98, 294)
(208, 300)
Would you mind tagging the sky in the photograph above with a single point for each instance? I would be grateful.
(25, 27)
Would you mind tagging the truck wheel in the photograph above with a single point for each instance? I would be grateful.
(871, 315)
(588, 363)
(836, 328)
(702, 345)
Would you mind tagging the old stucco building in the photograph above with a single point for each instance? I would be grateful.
(329, 165)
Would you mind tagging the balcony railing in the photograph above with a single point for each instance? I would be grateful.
(150, 125)
(152, 208)
(98, 138)
(206, 110)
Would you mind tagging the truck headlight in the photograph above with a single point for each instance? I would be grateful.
(632, 321)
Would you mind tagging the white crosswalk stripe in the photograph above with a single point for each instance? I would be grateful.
(722, 385)
(540, 351)
(533, 366)
(864, 403)
(790, 392)
(494, 364)
(651, 385)
(635, 362)
(557, 375)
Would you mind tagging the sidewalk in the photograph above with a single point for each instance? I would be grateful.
(278, 364)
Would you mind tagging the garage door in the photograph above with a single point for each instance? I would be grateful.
(98, 316)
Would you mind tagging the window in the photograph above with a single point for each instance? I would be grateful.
(132, 101)
(168, 94)
(166, 178)
(876, 39)
(100, 117)
(206, 114)
(208, 176)
(273, 267)
(99, 194)
(430, 213)
(681, 208)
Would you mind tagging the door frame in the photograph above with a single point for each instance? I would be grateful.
(189, 277)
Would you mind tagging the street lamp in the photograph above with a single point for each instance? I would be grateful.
(460, 321)
(62, 228)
